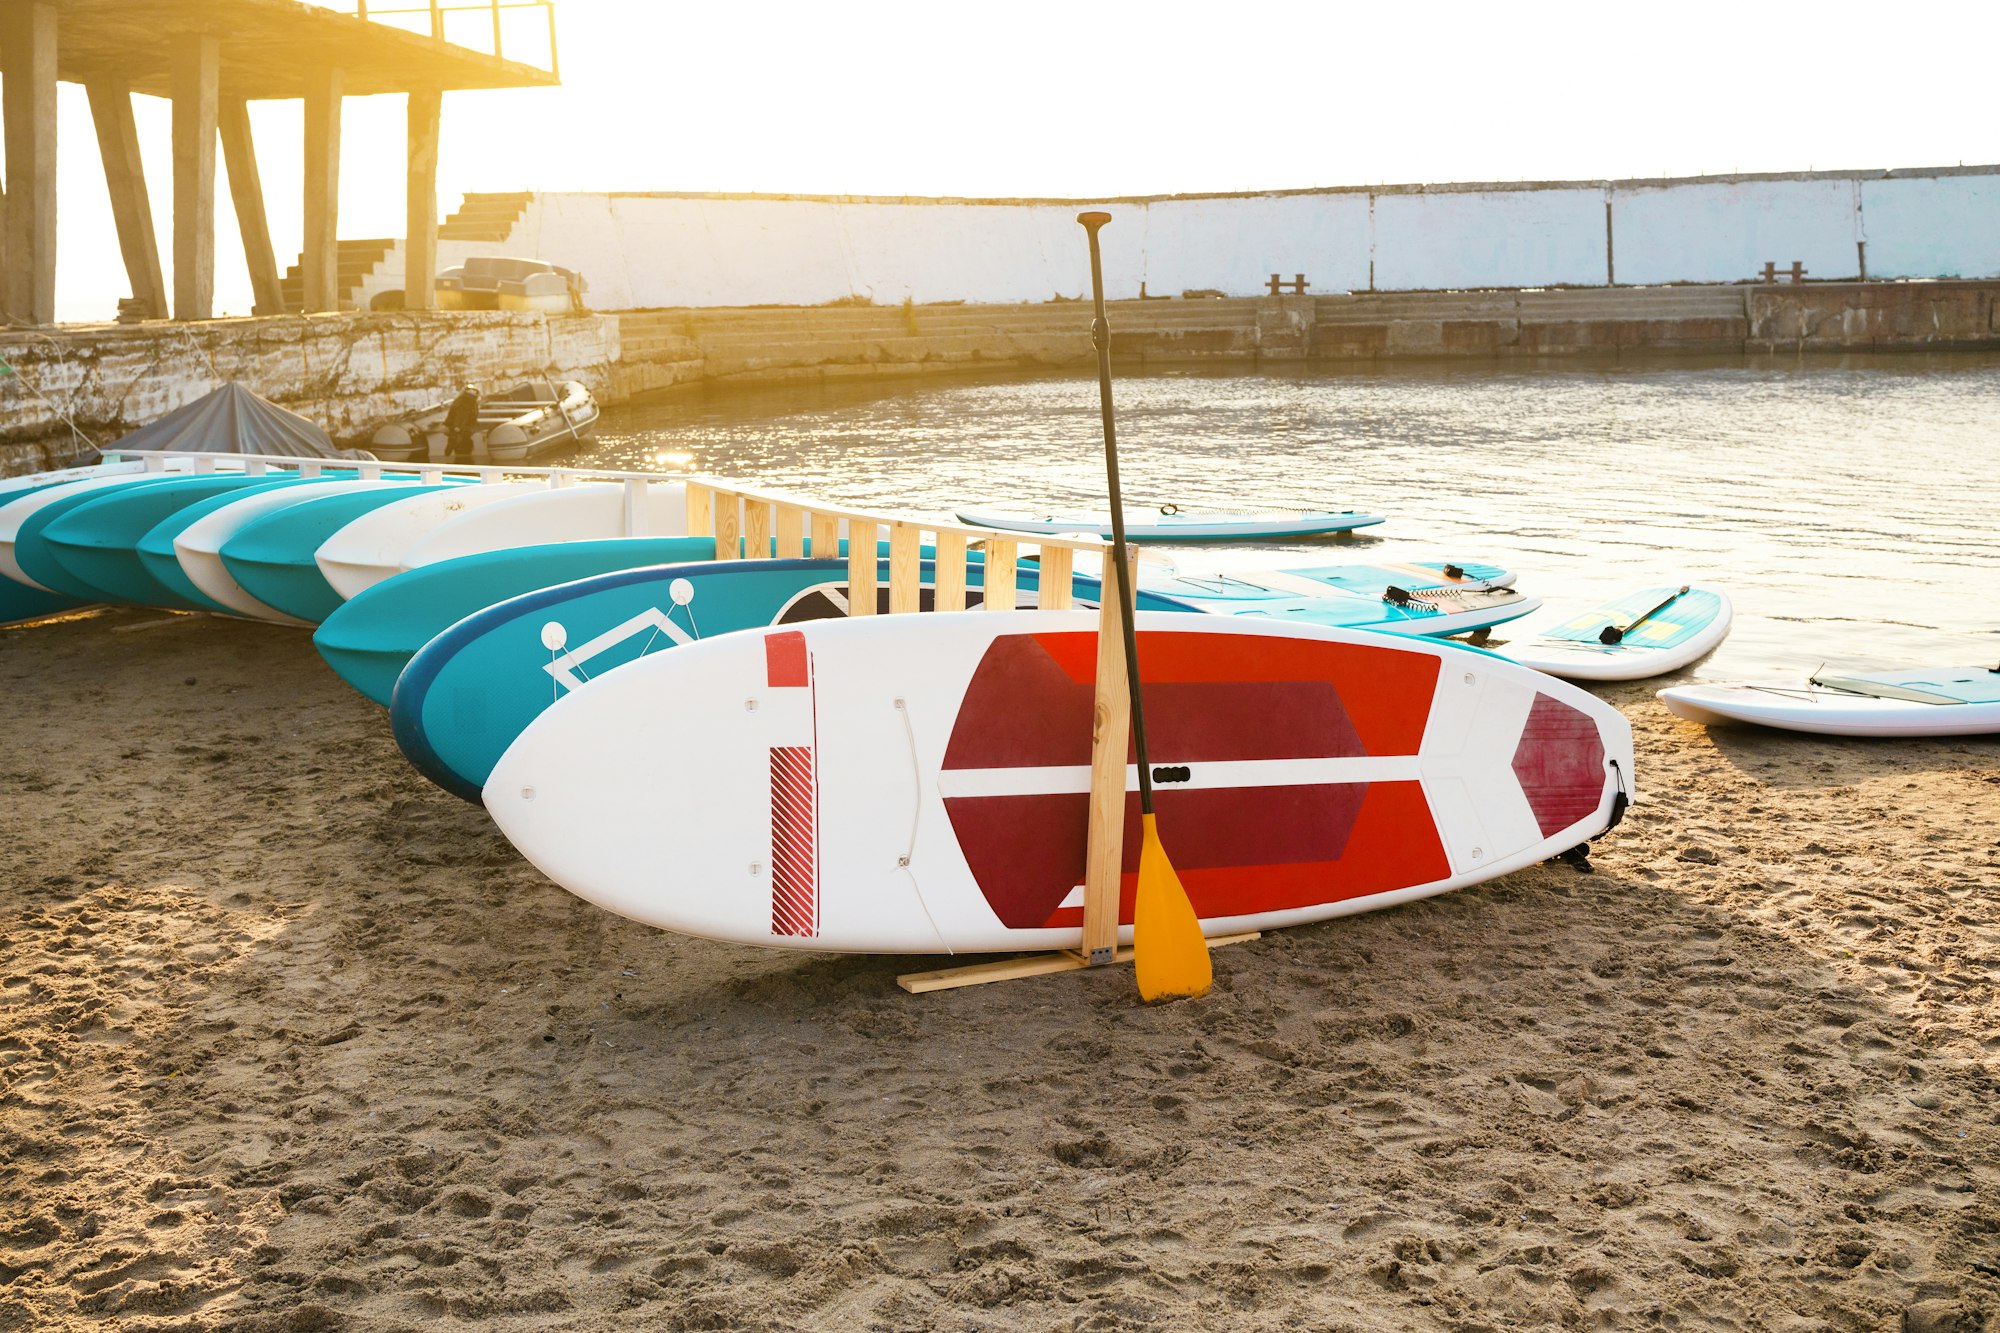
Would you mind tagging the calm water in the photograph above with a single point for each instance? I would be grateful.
(1849, 506)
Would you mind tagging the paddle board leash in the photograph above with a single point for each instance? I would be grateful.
(1169, 952)
(1614, 634)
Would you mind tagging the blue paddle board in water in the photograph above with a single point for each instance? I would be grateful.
(467, 693)
(272, 558)
(97, 543)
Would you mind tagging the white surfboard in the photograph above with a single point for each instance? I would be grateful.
(919, 783)
(1172, 524)
(371, 548)
(198, 547)
(1645, 633)
(1916, 701)
(581, 512)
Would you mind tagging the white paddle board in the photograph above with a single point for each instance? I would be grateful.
(919, 783)
(1172, 524)
(1917, 701)
(198, 547)
(371, 548)
(584, 511)
(1645, 633)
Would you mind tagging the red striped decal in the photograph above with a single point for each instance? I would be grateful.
(785, 661)
(794, 863)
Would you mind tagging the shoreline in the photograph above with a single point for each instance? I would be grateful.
(293, 1040)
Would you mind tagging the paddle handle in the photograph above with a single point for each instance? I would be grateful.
(1100, 338)
(1616, 633)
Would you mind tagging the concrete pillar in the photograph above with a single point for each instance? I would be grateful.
(28, 67)
(197, 67)
(321, 266)
(125, 176)
(420, 242)
(246, 190)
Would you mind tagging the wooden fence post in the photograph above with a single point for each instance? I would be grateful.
(756, 529)
(728, 525)
(906, 571)
(1056, 565)
(861, 558)
(789, 521)
(998, 579)
(949, 578)
(825, 536)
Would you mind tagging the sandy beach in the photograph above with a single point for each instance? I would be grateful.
(291, 1040)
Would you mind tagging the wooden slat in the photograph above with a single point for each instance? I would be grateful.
(756, 529)
(906, 570)
(1032, 965)
(728, 525)
(861, 558)
(825, 536)
(1001, 564)
(789, 523)
(1111, 739)
(1056, 565)
(701, 510)
(950, 576)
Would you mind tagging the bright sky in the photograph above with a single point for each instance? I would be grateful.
(1075, 98)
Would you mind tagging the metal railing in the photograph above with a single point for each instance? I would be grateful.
(437, 10)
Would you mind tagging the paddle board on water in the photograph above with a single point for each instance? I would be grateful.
(919, 783)
(1916, 701)
(193, 549)
(1170, 524)
(1651, 632)
(97, 543)
(271, 557)
(371, 638)
(467, 693)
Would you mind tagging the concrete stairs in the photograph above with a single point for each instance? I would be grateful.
(485, 217)
(358, 259)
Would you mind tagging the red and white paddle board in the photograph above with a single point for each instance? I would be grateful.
(919, 783)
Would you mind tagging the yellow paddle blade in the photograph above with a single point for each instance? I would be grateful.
(1168, 951)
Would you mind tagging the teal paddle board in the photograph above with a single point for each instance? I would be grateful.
(97, 543)
(18, 601)
(156, 548)
(371, 637)
(272, 558)
(39, 562)
(467, 693)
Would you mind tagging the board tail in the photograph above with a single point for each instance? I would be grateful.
(794, 797)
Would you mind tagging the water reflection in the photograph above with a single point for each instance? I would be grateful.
(1845, 502)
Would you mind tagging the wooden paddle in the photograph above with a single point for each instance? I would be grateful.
(1616, 634)
(1169, 953)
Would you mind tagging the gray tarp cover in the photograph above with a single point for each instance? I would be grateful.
(233, 420)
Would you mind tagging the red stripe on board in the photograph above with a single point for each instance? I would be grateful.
(1559, 764)
(1385, 689)
(794, 863)
(1240, 851)
(785, 660)
(1023, 710)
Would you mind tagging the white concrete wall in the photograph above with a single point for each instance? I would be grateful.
(1716, 232)
(1494, 238)
(644, 251)
(1932, 227)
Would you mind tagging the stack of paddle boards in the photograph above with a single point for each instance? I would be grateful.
(919, 783)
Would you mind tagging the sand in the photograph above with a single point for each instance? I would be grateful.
(290, 1040)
